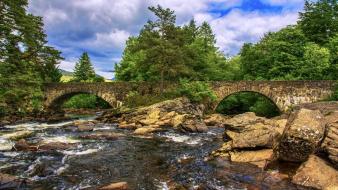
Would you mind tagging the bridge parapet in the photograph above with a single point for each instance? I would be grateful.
(284, 94)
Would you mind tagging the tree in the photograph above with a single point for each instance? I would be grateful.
(26, 62)
(277, 56)
(319, 21)
(84, 70)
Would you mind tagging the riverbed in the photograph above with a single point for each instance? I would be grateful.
(160, 161)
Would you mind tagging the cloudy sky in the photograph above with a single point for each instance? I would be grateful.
(101, 27)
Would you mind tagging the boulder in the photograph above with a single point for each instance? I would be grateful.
(85, 126)
(258, 158)
(102, 136)
(146, 130)
(22, 145)
(302, 136)
(239, 122)
(9, 182)
(316, 173)
(215, 120)
(253, 136)
(125, 125)
(18, 135)
(116, 186)
(171, 113)
(330, 143)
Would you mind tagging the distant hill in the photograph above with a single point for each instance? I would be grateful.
(66, 73)
(67, 76)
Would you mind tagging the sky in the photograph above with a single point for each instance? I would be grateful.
(101, 27)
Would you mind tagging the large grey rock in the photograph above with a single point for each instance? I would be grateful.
(330, 143)
(316, 173)
(304, 132)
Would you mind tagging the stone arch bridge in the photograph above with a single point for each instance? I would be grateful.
(284, 94)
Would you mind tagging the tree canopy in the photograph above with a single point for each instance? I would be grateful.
(26, 61)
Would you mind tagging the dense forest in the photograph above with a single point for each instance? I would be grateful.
(164, 51)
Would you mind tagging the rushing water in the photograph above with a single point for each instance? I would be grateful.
(153, 162)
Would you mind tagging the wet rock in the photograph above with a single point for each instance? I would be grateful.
(84, 126)
(192, 124)
(102, 136)
(302, 136)
(330, 143)
(22, 145)
(259, 157)
(316, 173)
(9, 182)
(146, 130)
(125, 125)
(55, 146)
(18, 135)
(116, 186)
(215, 120)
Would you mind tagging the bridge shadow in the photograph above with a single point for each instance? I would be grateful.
(79, 100)
(248, 101)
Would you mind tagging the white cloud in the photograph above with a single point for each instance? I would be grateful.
(67, 65)
(238, 27)
(102, 26)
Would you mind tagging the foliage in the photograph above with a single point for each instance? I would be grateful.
(334, 96)
(134, 99)
(166, 52)
(87, 101)
(25, 60)
(319, 21)
(248, 102)
(197, 91)
(84, 71)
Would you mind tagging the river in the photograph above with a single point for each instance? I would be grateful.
(145, 162)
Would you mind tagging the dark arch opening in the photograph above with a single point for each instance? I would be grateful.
(248, 101)
(80, 100)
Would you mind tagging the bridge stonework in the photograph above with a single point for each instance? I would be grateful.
(284, 94)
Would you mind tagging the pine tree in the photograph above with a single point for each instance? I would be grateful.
(84, 71)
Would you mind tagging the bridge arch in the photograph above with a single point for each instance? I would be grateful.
(54, 101)
(244, 106)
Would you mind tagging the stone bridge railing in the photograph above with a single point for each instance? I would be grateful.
(284, 94)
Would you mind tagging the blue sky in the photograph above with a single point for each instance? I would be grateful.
(101, 27)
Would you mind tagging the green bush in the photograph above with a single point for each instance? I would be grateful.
(134, 99)
(248, 102)
(197, 91)
(86, 101)
(335, 93)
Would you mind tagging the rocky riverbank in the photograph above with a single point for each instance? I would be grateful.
(306, 138)
(298, 147)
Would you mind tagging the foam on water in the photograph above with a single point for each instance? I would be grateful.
(5, 144)
(61, 139)
(190, 140)
(79, 153)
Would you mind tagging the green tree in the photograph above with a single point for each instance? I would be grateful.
(84, 71)
(25, 59)
(319, 21)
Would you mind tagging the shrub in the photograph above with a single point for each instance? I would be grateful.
(335, 93)
(197, 91)
(134, 99)
(248, 102)
(87, 101)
